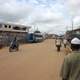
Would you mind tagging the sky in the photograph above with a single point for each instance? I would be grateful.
(52, 16)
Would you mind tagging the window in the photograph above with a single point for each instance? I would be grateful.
(9, 26)
(5, 26)
(16, 28)
(24, 28)
(0, 25)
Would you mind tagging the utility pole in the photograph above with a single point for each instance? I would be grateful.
(37, 28)
(66, 28)
(72, 25)
(34, 28)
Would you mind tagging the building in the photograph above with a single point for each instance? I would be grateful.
(73, 33)
(51, 36)
(9, 31)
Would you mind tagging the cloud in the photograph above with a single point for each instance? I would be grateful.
(47, 15)
(14, 11)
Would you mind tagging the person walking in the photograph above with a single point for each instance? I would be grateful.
(58, 44)
(65, 42)
(67, 49)
(70, 69)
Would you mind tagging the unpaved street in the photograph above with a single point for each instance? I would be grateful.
(38, 61)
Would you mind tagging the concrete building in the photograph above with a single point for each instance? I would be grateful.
(9, 31)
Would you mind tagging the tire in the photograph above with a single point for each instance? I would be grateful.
(17, 49)
(10, 50)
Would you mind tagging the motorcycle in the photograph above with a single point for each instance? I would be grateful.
(14, 47)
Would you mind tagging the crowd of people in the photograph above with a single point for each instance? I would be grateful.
(70, 69)
(63, 42)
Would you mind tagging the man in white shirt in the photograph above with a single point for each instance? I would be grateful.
(65, 42)
(58, 44)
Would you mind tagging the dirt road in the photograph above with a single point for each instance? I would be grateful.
(33, 62)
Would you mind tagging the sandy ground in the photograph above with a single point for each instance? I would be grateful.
(38, 61)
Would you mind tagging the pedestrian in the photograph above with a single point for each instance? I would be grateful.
(58, 44)
(67, 49)
(70, 69)
(65, 42)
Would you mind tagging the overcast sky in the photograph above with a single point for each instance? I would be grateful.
(48, 15)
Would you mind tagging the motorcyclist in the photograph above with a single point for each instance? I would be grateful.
(14, 44)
